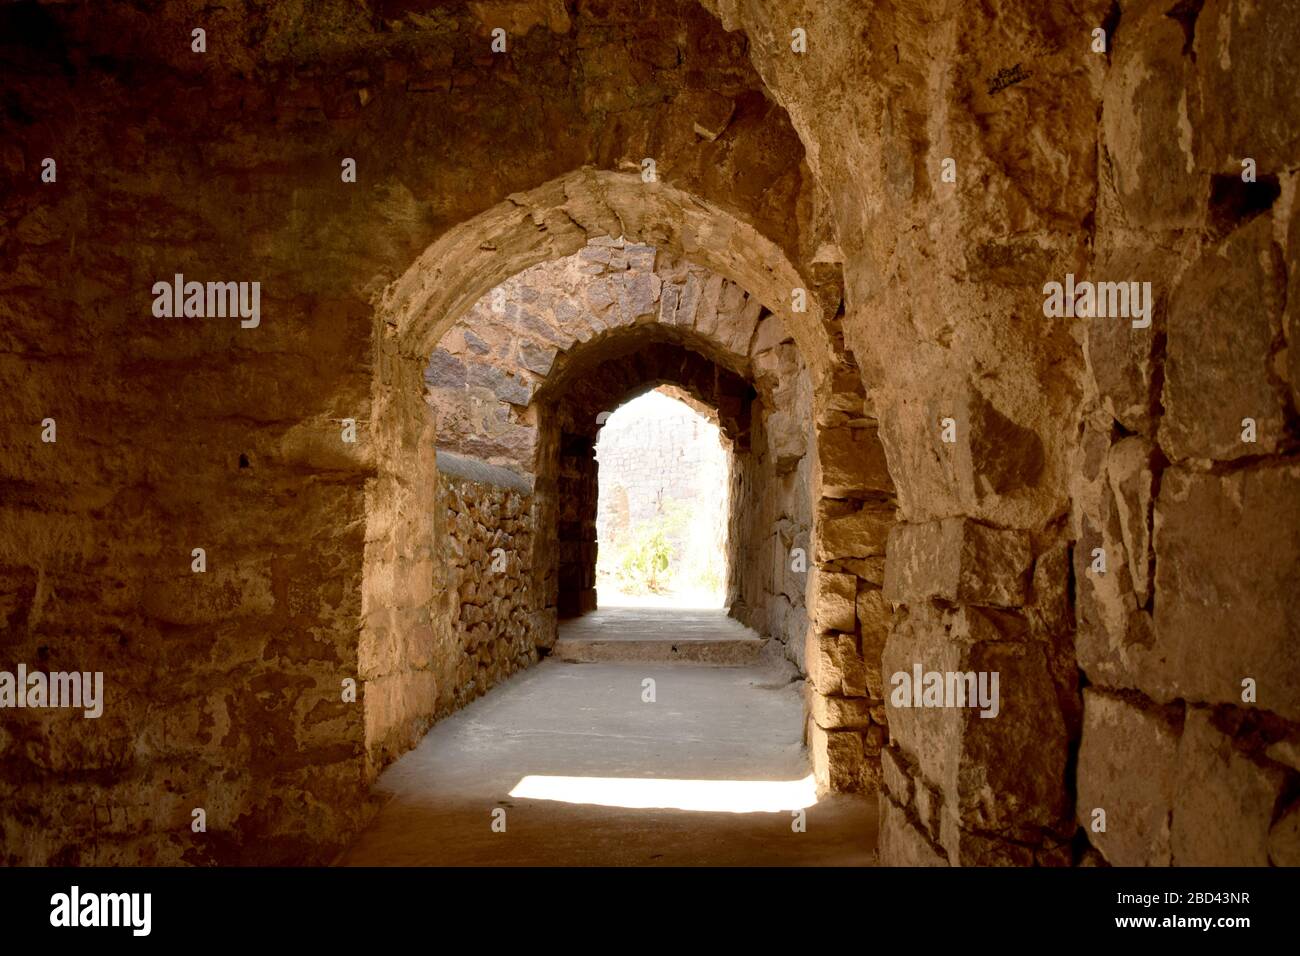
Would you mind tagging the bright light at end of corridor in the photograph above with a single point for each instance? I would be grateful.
(638, 793)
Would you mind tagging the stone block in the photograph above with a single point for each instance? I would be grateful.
(834, 665)
(1145, 122)
(638, 296)
(1218, 371)
(1223, 803)
(852, 461)
(837, 759)
(833, 600)
(840, 713)
(847, 530)
(1130, 472)
(786, 439)
(874, 620)
(1247, 111)
(1227, 588)
(1128, 767)
(902, 843)
(958, 561)
(1005, 772)
(771, 333)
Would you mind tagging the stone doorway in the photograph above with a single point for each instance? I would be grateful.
(664, 477)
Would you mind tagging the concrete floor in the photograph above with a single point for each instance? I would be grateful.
(579, 737)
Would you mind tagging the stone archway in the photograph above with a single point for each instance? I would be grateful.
(598, 379)
(690, 327)
(556, 219)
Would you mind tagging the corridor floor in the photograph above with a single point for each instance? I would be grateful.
(588, 772)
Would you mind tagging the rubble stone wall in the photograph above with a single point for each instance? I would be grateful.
(490, 541)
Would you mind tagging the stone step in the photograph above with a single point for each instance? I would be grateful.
(719, 652)
(658, 635)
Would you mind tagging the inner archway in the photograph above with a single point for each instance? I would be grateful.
(521, 388)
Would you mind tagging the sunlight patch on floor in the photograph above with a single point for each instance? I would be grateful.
(640, 793)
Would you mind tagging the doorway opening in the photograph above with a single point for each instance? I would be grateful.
(662, 529)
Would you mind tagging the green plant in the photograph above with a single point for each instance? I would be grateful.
(646, 556)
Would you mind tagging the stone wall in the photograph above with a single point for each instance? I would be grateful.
(1007, 152)
(1186, 477)
(827, 172)
(851, 617)
(495, 616)
(174, 434)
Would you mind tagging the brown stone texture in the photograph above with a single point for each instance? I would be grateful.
(1218, 372)
(902, 842)
(1001, 775)
(1222, 616)
(1224, 802)
(1128, 768)
(798, 263)
(498, 624)
(957, 561)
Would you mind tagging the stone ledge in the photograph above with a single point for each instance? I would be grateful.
(470, 469)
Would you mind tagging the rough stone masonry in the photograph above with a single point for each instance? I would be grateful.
(231, 520)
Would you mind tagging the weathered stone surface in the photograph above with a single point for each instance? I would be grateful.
(488, 518)
(957, 560)
(1130, 469)
(874, 620)
(898, 782)
(1218, 373)
(1146, 122)
(837, 758)
(1229, 35)
(1128, 767)
(1291, 318)
(1123, 361)
(901, 842)
(828, 174)
(771, 332)
(928, 807)
(852, 461)
(834, 664)
(1052, 587)
(845, 530)
(1223, 803)
(965, 848)
(1286, 751)
(1284, 839)
(709, 112)
(1114, 633)
(1227, 601)
(834, 600)
(840, 713)
(992, 462)
(788, 440)
(1000, 773)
